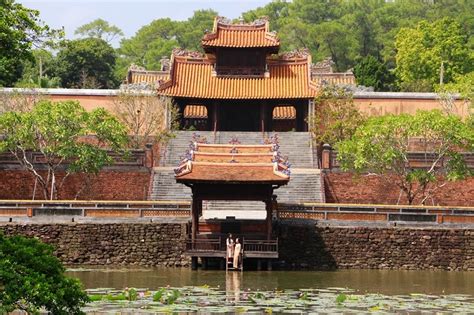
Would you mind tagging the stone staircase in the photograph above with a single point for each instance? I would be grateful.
(305, 184)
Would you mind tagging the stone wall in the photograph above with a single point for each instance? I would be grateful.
(107, 185)
(144, 244)
(302, 245)
(347, 188)
(311, 246)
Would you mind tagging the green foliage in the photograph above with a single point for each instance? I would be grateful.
(131, 294)
(160, 37)
(38, 72)
(20, 29)
(432, 52)
(382, 144)
(100, 29)
(86, 63)
(166, 296)
(336, 118)
(341, 298)
(57, 130)
(371, 72)
(31, 278)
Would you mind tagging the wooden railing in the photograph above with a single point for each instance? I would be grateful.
(211, 244)
(260, 245)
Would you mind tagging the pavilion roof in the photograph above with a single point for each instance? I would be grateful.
(233, 163)
(241, 35)
(193, 75)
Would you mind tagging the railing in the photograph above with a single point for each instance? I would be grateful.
(204, 245)
(260, 245)
(387, 213)
(84, 208)
(415, 159)
(134, 158)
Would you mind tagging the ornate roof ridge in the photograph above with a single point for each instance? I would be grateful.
(261, 22)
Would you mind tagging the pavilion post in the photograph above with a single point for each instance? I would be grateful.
(194, 219)
(269, 208)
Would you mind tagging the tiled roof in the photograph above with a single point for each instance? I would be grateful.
(284, 112)
(233, 163)
(335, 78)
(151, 77)
(226, 34)
(195, 78)
(195, 111)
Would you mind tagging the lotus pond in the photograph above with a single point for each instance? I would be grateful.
(182, 291)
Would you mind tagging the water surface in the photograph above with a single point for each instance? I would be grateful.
(388, 282)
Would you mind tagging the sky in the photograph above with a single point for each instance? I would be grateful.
(130, 15)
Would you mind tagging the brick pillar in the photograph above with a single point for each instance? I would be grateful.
(149, 158)
(326, 157)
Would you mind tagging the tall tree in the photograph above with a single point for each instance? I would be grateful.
(381, 146)
(86, 63)
(20, 29)
(148, 117)
(100, 29)
(336, 117)
(432, 52)
(56, 130)
(371, 72)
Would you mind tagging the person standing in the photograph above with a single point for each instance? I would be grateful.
(230, 247)
(237, 250)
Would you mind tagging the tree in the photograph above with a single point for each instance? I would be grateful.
(20, 29)
(38, 72)
(381, 146)
(86, 63)
(336, 118)
(57, 131)
(371, 72)
(32, 278)
(146, 116)
(100, 29)
(432, 52)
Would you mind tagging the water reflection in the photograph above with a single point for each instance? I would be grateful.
(364, 281)
(233, 285)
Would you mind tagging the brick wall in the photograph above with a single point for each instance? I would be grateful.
(107, 185)
(145, 244)
(347, 188)
(310, 246)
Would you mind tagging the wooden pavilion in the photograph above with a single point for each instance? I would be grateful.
(232, 172)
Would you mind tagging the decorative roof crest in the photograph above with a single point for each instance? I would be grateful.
(295, 54)
(228, 22)
(187, 53)
(134, 67)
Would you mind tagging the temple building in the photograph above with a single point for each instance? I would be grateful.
(240, 82)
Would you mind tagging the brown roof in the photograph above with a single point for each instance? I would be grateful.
(227, 34)
(287, 78)
(233, 163)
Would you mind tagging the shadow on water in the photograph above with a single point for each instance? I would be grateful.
(388, 282)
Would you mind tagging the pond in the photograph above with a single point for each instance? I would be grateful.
(182, 290)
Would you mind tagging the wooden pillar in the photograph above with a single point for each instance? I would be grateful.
(262, 116)
(194, 218)
(194, 263)
(269, 208)
(215, 116)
